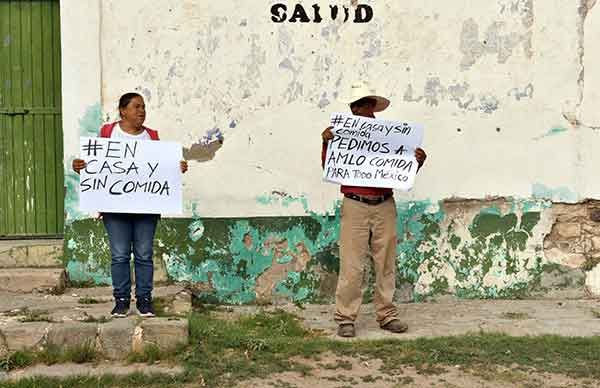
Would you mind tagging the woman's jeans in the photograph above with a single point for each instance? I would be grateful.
(129, 233)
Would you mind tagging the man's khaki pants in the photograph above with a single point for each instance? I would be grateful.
(363, 224)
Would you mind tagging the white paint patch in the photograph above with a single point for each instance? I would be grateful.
(592, 280)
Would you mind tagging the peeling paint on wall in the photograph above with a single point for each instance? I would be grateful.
(585, 6)
(495, 256)
(552, 132)
(206, 148)
(559, 194)
(471, 248)
(434, 92)
(467, 69)
(89, 125)
(501, 38)
(587, 57)
(519, 94)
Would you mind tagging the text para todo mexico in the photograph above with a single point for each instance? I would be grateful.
(130, 176)
(372, 153)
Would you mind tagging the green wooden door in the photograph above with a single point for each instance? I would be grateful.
(31, 148)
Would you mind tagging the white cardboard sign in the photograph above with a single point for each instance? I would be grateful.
(130, 176)
(370, 152)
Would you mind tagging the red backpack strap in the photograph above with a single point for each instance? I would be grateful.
(153, 134)
(106, 130)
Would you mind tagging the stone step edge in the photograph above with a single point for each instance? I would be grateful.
(114, 340)
(52, 280)
(31, 253)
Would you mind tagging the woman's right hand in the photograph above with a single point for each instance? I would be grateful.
(78, 165)
(327, 134)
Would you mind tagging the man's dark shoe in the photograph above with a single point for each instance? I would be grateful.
(395, 326)
(144, 307)
(346, 330)
(121, 308)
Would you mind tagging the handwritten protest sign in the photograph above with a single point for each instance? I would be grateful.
(372, 153)
(130, 176)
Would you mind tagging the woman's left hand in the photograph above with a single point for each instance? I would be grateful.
(184, 166)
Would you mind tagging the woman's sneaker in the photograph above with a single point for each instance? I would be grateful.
(121, 308)
(144, 307)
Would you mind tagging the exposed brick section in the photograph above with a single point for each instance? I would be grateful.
(574, 240)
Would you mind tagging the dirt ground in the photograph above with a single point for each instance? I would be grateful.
(342, 372)
(452, 317)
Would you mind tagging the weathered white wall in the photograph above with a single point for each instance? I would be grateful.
(473, 65)
(503, 87)
(81, 66)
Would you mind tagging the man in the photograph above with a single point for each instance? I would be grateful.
(368, 220)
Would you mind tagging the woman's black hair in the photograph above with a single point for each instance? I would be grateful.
(126, 99)
(362, 102)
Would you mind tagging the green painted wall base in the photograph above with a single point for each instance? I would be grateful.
(475, 250)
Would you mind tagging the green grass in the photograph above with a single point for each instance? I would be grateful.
(27, 315)
(590, 263)
(81, 284)
(222, 352)
(80, 354)
(160, 306)
(132, 381)
(516, 316)
(339, 364)
(101, 319)
(17, 360)
(88, 300)
(152, 353)
(370, 379)
(263, 344)
(51, 355)
(35, 316)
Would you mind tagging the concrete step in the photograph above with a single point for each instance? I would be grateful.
(27, 280)
(96, 369)
(114, 340)
(82, 317)
(31, 253)
(84, 304)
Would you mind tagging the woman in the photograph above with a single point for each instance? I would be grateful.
(129, 233)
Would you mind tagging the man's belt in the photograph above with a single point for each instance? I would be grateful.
(369, 200)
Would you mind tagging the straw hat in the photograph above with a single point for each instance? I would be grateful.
(360, 90)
